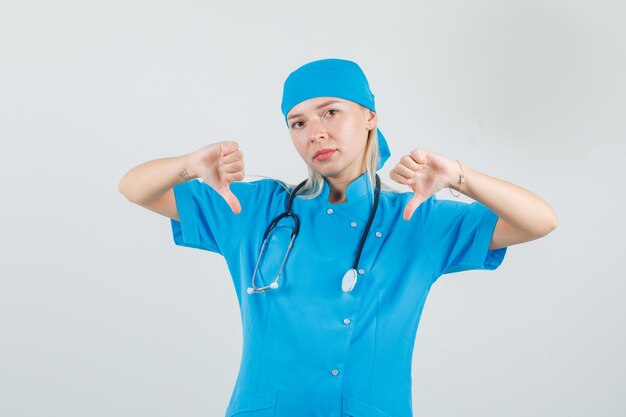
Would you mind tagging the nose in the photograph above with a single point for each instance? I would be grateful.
(317, 131)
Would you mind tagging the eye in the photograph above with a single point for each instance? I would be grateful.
(294, 125)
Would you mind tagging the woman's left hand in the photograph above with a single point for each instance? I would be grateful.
(425, 172)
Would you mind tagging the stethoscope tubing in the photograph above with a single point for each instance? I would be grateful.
(296, 230)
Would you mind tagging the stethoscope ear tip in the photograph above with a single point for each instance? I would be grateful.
(250, 290)
(274, 285)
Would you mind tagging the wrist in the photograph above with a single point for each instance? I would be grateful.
(452, 174)
(456, 179)
(188, 170)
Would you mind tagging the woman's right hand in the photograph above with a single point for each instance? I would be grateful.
(218, 165)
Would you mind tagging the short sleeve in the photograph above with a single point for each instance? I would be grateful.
(457, 235)
(206, 220)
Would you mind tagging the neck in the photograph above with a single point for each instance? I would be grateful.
(338, 187)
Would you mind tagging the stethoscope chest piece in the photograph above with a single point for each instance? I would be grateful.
(349, 280)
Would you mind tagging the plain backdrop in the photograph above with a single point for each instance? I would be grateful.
(102, 315)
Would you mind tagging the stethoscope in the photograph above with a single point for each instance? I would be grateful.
(349, 278)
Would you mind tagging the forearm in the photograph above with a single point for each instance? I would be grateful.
(150, 180)
(517, 206)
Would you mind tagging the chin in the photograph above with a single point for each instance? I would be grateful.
(322, 166)
(328, 172)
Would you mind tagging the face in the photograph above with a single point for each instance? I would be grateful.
(335, 126)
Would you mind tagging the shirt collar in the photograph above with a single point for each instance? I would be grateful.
(359, 194)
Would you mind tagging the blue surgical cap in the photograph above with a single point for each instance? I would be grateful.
(332, 78)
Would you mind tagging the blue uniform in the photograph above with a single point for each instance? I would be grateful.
(310, 349)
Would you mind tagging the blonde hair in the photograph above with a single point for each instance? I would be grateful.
(315, 183)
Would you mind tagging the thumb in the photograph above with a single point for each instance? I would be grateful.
(230, 198)
(228, 146)
(413, 204)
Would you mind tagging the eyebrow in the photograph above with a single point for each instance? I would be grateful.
(318, 107)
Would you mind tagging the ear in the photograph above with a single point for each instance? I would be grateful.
(372, 119)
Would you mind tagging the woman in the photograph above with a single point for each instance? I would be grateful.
(329, 329)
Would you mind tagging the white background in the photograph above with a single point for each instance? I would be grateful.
(102, 315)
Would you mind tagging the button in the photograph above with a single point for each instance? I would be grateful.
(346, 321)
(353, 224)
(378, 234)
(329, 211)
(334, 372)
(361, 271)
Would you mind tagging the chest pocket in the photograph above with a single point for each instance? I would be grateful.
(260, 405)
(351, 407)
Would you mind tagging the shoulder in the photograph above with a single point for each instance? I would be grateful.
(396, 199)
(394, 196)
(262, 186)
(394, 203)
(267, 191)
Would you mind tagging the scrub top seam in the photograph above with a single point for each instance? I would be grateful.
(243, 235)
(267, 317)
(425, 245)
(482, 250)
(369, 396)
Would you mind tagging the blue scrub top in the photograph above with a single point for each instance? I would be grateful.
(309, 349)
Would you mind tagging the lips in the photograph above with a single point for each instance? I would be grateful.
(323, 152)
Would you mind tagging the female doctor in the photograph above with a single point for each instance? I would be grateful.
(331, 275)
